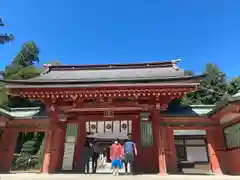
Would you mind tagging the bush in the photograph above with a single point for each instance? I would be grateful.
(15, 157)
(27, 158)
(29, 147)
(26, 161)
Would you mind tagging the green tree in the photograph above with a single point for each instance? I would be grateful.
(234, 86)
(29, 147)
(21, 67)
(211, 89)
(27, 158)
(4, 38)
(3, 95)
(188, 73)
(23, 64)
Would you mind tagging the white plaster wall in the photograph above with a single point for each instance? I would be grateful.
(197, 154)
(188, 132)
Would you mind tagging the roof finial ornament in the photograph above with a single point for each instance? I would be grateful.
(174, 63)
(176, 60)
(46, 68)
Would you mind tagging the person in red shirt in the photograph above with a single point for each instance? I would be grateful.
(116, 155)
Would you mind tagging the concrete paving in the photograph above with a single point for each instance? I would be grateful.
(32, 176)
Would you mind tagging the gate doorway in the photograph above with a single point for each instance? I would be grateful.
(103, 134)
(29, 151)
(192, 152)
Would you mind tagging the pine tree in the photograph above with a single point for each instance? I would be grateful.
(234, 86)
(27, 157)
(23, 64)
(21, 67)
(211, 89)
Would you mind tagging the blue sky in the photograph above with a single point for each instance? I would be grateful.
(114, 31)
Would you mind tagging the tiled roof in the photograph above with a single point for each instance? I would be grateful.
(112, 72)
(224, 102)
(119, 73)
(22, 113)
(192, 110)
(236, 97)
(104, 75)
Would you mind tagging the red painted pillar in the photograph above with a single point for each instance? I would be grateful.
(215, 141)
(7, 147)
(155, 129)
(171, 154)
(136, 137)
(61, 136)
(161, 137)
(52, 141)
(46, 167)
(57, 148)
(81, 138)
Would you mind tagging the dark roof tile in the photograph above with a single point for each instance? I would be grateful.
(154, 72)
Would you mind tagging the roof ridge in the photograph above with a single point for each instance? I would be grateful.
(156, 64)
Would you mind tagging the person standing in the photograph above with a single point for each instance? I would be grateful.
(86, 154)
(130, 151)
(116, 154)
(95, 156)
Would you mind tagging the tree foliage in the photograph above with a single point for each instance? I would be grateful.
(234, 86)
(31, 150)
(29, 147)
(211, 89)
(21, 67)
(188, 73)
(23, 64)
(27, 156)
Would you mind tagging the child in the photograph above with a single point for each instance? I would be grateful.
(116, 154)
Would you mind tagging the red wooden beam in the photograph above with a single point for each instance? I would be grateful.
(27, 129)
(110, 92)
(147, 87)
(125, 109)
(29, 121)
(84, 105)
(189, 128)
(102, 118)
(187, 119)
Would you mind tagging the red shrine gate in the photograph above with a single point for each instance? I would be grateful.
(73, 162)
(75, 95)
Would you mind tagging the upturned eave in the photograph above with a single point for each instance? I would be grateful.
(171, 81)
